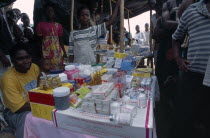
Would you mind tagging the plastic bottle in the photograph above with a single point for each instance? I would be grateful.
(72, 72)
(115, 107)
(142, 100)
(122, 118)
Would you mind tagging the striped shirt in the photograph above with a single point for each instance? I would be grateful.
(83, 43)
(196, 22)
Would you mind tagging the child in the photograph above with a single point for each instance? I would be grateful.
(45, 67)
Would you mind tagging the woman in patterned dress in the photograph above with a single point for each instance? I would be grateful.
(50, 33)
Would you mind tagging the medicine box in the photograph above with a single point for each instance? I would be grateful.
(142, 72)
(42, 101)
(120, 55)
(100, 125)
(101, 106)
(103, 90)
(128, 65)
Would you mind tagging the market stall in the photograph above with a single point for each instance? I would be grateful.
(112, 98)
(121, 91)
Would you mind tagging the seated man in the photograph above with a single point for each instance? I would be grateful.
(15, 84)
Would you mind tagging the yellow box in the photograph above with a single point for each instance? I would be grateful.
(42, 102)
(140, 74)
(50, 91)
(120, 55)
(42, 111)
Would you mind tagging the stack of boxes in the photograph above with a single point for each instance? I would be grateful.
(42, 102)
(99, 100)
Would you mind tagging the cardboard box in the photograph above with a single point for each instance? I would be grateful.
(77, 96)
(142, 72)
(42, 110)
(103, 90)
(120, 55)
(100, 125)
(101, 106)
(42, 102)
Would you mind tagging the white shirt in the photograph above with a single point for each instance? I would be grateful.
(83, 43)
(140, 38)
(147, 36)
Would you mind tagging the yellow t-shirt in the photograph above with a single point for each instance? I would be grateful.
(15, 87)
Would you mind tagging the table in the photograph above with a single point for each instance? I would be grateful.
(41, 128)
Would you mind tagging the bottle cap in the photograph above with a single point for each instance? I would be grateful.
(42, 77)
(61, 92)
(70, 67)
(111, 118)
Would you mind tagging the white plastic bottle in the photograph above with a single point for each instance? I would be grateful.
(115, 107)
(122, 118)
(142, 100)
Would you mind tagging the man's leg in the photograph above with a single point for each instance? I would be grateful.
(183, 116)
(16, 121)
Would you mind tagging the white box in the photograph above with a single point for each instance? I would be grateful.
(102, 105)
(103, 90)
(100, 126)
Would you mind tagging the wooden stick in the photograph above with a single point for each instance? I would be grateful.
(72, 15)
(102, 6)
(124, 7)
(121, 26)
(129, 28)
(150, 38)
(111, 32)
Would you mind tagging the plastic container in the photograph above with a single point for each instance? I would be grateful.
(115, 107)
(72, 72)
(142, 100)
(61, 98)
(122, 119)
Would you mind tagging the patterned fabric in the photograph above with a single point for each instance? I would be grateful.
(83, 43)
(51, 48)
(196, 22)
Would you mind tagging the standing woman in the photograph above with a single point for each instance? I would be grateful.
(83, 41)
(51, 33)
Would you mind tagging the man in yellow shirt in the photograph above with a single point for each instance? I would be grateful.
(15, 85)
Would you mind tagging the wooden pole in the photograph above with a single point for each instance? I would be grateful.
(124, 7)
(121, 26)
(72, 15)
(129, 28)
(102, 6)
(111, 32)
(150, 38)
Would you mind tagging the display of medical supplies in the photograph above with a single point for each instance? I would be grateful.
(114, 92)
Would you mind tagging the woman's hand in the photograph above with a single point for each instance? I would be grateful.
(182, 63)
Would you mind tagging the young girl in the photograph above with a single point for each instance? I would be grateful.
(83, 41)
(45, 67)
(50, 33)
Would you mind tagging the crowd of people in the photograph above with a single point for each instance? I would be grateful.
(140, 37)
(181, 35)
(23, 47)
